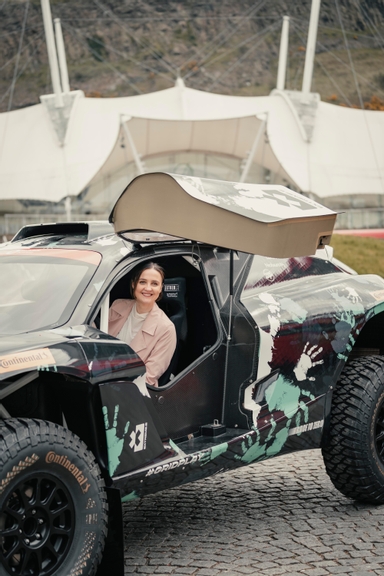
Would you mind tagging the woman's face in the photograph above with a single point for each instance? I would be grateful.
(148, 288)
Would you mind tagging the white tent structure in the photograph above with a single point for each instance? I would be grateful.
(343, 158)
(69, 145)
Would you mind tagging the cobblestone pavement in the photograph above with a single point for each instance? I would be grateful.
(282, 516)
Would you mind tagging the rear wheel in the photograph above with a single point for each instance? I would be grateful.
(53, 510)
(354, 456)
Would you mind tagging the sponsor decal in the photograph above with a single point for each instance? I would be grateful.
(29, 359)
(378, 295)
(171, 288)
(306, 428)
(174, 464)
(139, 437)
(53, 458)
(16, 469)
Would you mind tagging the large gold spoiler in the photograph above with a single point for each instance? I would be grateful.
(255, 218)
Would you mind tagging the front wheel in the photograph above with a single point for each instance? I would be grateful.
(53, 509)
(354, 455)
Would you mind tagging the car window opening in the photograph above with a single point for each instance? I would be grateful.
(185, 301)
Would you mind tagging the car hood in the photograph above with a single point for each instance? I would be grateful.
(30, 341)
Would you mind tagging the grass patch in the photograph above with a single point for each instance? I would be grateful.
(365, 255)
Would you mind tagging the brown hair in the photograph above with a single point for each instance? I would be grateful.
(147, 266)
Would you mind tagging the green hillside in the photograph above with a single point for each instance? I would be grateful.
(127, 47)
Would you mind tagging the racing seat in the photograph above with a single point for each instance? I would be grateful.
(173, 304)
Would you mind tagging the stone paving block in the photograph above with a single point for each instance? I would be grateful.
(261, 566)
(202, 564)
(337, 555)
(179, 561)
(364, 573)
(342, 570)
(244, 570)
(325, 564)
(274, 571)
(317, 572)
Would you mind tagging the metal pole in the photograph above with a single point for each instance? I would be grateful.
(229, 334)
(283, 55)
(68, 208)
(62, 58)
(52, 56)
(135, 154)
(252, 152)
(311, 48)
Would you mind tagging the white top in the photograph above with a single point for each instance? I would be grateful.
(132, 325)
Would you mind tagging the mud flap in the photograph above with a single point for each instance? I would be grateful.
(113, 557)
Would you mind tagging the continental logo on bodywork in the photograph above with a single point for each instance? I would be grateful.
(378, 295)
(22, 465)
(53, 458)
(29, 359)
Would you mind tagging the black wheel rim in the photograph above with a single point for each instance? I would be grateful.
(379, 432)
(37, 522)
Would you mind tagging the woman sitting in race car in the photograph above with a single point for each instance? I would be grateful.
(143, 325)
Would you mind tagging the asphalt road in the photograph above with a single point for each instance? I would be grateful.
(282, 516)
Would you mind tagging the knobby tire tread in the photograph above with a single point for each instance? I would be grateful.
(19, 433)
(347, 457)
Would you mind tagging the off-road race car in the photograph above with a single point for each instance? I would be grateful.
(279, 348)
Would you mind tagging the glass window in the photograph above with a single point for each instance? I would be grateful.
(41, 290)
(268, 271)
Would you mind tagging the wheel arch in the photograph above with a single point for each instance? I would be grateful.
(369, 342)
(66, 400)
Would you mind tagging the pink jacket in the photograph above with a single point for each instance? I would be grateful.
(155, 343)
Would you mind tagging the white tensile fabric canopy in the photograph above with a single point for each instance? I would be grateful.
(344, 154)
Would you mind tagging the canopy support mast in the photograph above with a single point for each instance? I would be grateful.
(311, 49)
(255, 145)
(135, 154)
(283, 55)
(62, 58)
(52, 55)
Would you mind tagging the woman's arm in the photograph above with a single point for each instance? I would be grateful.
(161, 356)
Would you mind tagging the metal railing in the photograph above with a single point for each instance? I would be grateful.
(360, 218)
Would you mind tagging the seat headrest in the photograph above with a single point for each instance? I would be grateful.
(174, 290)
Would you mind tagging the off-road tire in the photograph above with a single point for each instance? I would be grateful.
(53, 506)
(354, 455)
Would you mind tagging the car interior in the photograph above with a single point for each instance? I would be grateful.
(185, 301)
